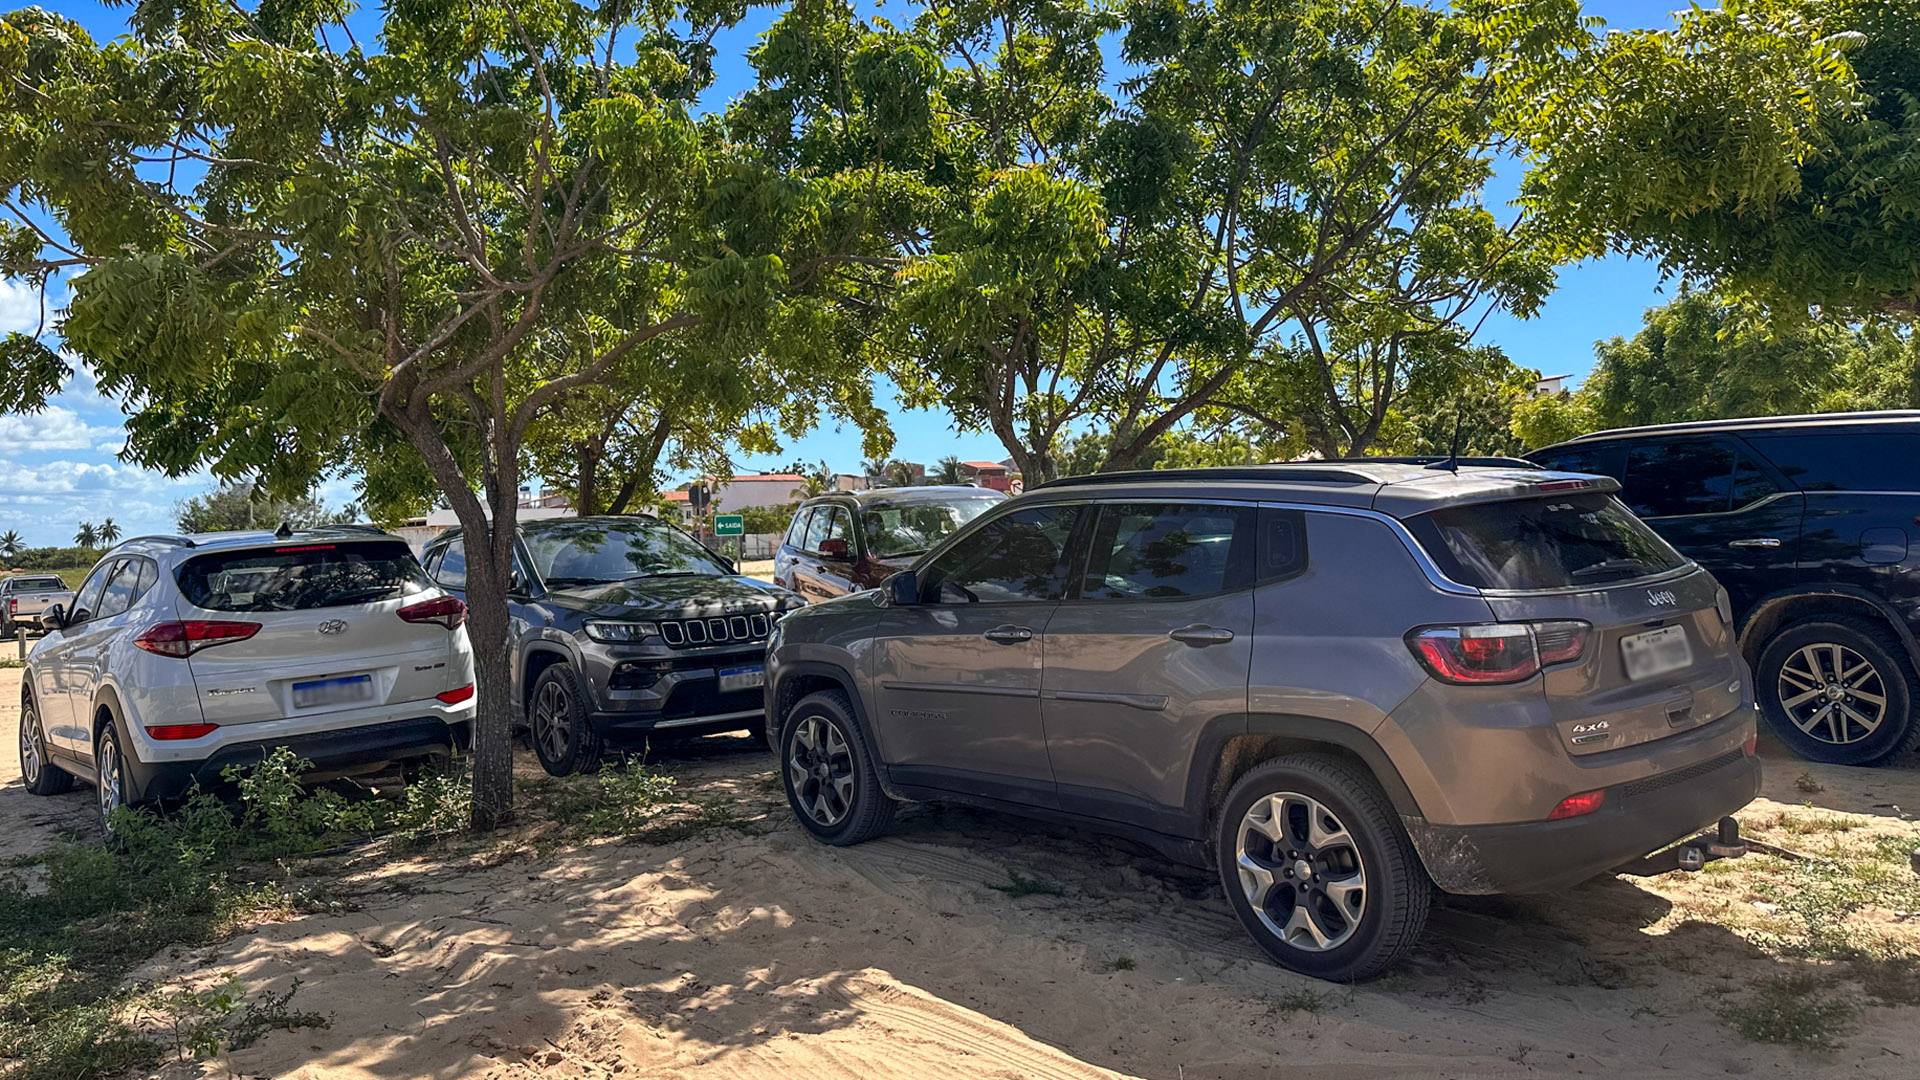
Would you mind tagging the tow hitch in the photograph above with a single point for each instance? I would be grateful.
(1724, 842)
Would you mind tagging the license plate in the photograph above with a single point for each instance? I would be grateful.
(742, 678)
(1656, 652)
(349, 688)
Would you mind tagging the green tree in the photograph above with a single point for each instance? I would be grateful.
(398, 259)
(109, 533)
(901, 473)
(1764, 146)
(86, 536)
(1554, 418)
(11, 545)
(950, 470)
(232, 507)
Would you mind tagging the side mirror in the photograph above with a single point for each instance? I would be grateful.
(517, 584)
(54, 618)
(902, 589)
(834, 547)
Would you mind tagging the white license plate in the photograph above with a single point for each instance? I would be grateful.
(350, 688)
(1656, 652)
(742, 678)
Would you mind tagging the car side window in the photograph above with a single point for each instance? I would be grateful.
(1283, 544)
(118, 595)
(1592, 460)
(816, 530)
(452, 571)
(1750, 482)
(797, 531)
(839, 526)
(87, 600)
(1164, 551)
(149, 573)
(1015, 558)
(1679, 478)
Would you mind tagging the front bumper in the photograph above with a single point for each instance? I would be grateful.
(1636, 819)
(397, 740)
(635, 695)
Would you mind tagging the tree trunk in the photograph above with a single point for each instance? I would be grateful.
(490, 634)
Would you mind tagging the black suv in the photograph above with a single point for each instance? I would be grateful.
(1808, 521)
(625, 626)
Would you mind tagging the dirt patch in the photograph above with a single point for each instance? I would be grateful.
(970, 944)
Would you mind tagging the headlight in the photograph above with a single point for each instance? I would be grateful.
(608, 630)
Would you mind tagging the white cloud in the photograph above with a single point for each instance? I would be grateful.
(54, 428)
(47, 501)
(19, 308)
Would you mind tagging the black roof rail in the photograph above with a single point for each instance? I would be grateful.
(1303, 472)
(1754, 421)
(352, 527)
(1495, 461)
(159, 538)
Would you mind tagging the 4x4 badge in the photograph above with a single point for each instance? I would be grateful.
(333, 626)
(1661, 596)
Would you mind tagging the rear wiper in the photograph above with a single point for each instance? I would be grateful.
(1611, 566)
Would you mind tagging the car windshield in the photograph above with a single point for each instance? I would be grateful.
(596, 552)
(909, 527)
(299, 577)
(1549, 543)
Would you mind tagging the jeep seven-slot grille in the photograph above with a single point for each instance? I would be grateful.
(718, 630)
(1680, 776)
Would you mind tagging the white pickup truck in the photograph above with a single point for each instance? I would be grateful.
(24, 596)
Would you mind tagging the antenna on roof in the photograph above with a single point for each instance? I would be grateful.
(284, 532)
(1452, 464)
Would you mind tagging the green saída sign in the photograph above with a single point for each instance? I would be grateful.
(729, 525)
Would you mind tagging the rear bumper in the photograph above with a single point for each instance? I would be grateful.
(1636, 819)
(397, 740)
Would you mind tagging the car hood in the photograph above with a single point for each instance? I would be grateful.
(674, 597)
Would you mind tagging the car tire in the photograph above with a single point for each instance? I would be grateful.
(828, 769)
(562, 735)
(38, 774)
(110, 783)
(1825, 711)
(1319, 869)
(7, 629)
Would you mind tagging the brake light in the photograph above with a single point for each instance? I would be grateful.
(1491, 653)
(303, 547)
(179, 731)
(1751, 746)
(455, 697)
(182, 639)
(1563, 485)
(448, 611)
(1578, 805)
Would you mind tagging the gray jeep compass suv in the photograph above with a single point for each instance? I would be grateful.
(1341, 684)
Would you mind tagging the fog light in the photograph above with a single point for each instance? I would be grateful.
(178, 731)
(1578, 805)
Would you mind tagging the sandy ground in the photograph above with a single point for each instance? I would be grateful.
(755, 952)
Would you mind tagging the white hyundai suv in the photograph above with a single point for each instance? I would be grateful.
(183, 655)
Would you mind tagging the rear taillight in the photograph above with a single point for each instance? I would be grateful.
(1488, 653)
(455, 697)
(1578, 805)
(182, 639)
(448, 611)
(179, 731)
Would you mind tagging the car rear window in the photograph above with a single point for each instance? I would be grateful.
(301, 576)
(1544, 543)
(38, 584)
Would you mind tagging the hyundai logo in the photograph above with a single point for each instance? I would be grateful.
(1661, 596)
(333, 626)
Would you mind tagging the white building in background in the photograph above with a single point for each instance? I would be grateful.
(758, 489)
(1550, 385)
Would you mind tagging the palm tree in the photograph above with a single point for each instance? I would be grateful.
(900, 473)
(875, 469)
(109, 532)
(86, 537)
(950, 471)
(819, 481)
(11, 544)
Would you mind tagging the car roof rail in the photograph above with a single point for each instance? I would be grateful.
(1792, 420)
(157, 538)
(1497, 461)
(1302, 472)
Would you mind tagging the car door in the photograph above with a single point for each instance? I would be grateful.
(1721, 507)
(52, 662)
(957, 676)
(447, 566)
(1153, 641)
(833, 569)
(95, 642)
(787, 559)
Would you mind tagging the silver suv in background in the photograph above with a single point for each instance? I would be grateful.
(183, 655)
(1340, 684)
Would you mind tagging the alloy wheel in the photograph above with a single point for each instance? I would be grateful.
(1832, 693)
(110, 779)
(552, 721)
(820, 770)
(30, 757)
(1301, 871)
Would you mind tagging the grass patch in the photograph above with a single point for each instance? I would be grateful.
(1806, 784)
(1293, 1001)
(1019, 885)
(1118, 963)
(1794, 1010)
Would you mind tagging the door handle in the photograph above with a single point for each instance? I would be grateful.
(1199, 635)
(1755, 542)
(1009, 634)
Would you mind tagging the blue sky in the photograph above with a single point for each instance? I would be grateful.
(58, 467)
